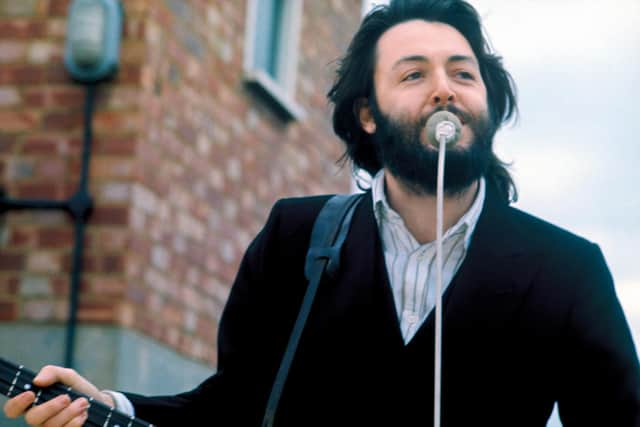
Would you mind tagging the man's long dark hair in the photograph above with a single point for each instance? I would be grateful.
(354, 78)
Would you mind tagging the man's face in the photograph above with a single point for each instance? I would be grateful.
(423, 67)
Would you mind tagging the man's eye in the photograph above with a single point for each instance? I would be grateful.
(465, 75)
(412, 76)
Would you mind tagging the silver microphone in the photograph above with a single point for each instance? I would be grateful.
(443, 127)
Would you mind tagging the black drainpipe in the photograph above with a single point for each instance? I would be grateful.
(79, 206)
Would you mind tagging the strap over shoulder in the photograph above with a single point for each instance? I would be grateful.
(329, 232)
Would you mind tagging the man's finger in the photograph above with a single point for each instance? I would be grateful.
(69, 414)
(50, 374)
(39, 414)
(17, 405)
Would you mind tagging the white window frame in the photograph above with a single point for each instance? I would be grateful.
(282, 90)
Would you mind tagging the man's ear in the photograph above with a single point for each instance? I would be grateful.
(363, 112)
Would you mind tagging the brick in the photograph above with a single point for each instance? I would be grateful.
(106, 121)
(54, 169)
(107, 286)
(41, 52)
(144, 199)
(9, 97)
(47, 145)
(129, 74)
(51, 238)
(21, 237)
(8, 311)
(56, 28)
(21, 169)
(68, 96)
(35, 286)
(18, 8)
(112, 264)
(112, 239)
(96, 311)
(110, 215)
(21, 74)
(44, 262)
(133, 51)
(38, 190)
(41, 310)
(18, 121)
(115, 192)
(61, 285)
(62, 120)
(55, 72)
(9, 286)
(111, 167)
(7, 143)
(35, 98)
(21, 29)
(11, 262)
(12, 51)
(160, 258)
(58, 7)
(115, 145)
(119, 98)
(126, 315)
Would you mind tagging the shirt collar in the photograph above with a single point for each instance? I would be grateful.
(384, 213)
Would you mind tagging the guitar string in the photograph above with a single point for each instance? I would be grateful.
(95, 418)
(100, 410)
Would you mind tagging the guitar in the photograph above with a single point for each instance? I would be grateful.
(16, 379)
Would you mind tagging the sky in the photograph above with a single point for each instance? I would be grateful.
(575, 149)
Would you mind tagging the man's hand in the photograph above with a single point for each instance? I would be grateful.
(60, 411)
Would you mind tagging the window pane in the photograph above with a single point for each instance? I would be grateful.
(267, 36)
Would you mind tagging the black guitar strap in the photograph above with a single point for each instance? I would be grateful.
(329, 233)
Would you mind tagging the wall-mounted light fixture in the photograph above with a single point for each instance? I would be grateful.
(94, 31)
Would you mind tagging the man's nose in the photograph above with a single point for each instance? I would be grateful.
(442, 93)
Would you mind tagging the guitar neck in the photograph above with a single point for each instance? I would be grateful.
(16, 379)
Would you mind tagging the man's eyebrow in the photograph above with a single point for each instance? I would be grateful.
(410, 58)
(422, 58)
(463, 58)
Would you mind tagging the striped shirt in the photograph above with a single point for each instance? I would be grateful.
(411, 266)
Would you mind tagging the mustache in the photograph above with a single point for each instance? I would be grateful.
(464, 117)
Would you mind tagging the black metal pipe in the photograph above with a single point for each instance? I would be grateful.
(79, 207)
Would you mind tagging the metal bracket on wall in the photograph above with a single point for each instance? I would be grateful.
(79, 206)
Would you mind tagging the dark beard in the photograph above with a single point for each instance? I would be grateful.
(401, 151)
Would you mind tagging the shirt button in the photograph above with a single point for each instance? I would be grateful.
(412, 318)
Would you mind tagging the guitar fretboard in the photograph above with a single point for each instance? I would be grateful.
(16, 379)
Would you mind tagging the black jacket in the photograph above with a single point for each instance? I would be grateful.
(530, 318)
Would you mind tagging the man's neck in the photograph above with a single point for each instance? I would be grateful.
(419, 211)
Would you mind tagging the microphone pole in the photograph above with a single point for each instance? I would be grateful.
(443, 128)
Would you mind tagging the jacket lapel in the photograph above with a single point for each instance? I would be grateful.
(492, 280)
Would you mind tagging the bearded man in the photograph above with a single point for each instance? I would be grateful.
(530, 313)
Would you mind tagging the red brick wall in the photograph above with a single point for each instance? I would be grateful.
(186, 162)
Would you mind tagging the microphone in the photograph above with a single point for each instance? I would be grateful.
(443, 127)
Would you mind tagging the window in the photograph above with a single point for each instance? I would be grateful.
(271, 52)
